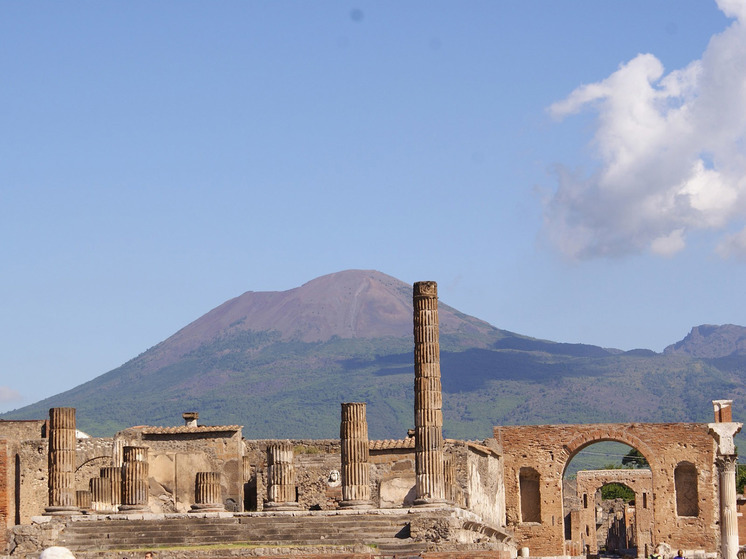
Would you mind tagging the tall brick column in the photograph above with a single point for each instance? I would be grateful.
(280, 477)
(113, 475)
(61, 462)
(207, 493)
(353, 434)
(135, 479)
(428, 401)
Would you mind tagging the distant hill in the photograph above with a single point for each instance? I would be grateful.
(710, 341)
(280, 364)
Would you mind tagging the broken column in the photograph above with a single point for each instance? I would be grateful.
(207, 493)
(353, 434)
(113, 476)
(280, 477)
(61, 460)
(83, 500)
(428, 402)
(101, 500)
(135, 479)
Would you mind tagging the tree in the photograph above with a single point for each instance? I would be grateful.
(635, 459)
(617, 491)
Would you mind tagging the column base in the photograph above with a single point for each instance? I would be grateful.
(281, 506)
(133, 509)
(356, 504)
(213, 507)
(428, 502)
(61, 511)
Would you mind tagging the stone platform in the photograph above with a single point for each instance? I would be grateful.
(351, 533)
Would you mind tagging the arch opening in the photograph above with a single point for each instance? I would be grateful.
(603, 483)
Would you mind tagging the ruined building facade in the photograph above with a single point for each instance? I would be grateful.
(501, 497)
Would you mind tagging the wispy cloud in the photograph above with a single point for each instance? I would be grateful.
(671, 154)
(9, 395)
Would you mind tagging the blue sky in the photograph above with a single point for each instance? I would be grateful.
(567, 170)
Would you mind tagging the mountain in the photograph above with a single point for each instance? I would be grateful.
(710, 341)
(280, 364)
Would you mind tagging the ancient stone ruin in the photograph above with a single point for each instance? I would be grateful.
(180, 489)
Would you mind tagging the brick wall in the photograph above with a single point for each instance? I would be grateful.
(5, 492)
(549, 448)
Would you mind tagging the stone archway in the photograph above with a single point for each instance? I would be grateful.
(591, 481)
(547, 449)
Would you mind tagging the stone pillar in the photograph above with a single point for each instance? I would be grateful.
(728, 512)
(113, 475)
(449, 479)
(280, 477)
(62, 441)
(83, 500)
(101, 500)
(207, 493)
(135, 479)
(428, 402)
(724, 431)
(353, 432)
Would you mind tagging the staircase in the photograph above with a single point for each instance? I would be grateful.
(388, 534)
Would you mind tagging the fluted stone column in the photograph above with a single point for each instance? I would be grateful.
(207, 493)
(280, 477)
(62, 441)
(113, 475)
(101, 500)
(728, 512)
(135, 479)
(724, 430)
(449, 478)
(83, 500)
(428, 402)
(353, 434)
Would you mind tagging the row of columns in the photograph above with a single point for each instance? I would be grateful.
(128, 488)
(434, 474)
(124, 489)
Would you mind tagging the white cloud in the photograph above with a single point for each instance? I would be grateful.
(9, 395)
(671, 154)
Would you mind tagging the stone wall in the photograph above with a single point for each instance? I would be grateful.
(317, 473)
(547, 449)
(483, 480)
(4, 494)
(23, 464)
(176, 454)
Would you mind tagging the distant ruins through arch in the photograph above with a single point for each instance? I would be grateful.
(694, 517)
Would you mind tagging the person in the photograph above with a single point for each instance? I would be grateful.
(655, 554)
(679, 555)
(149, 555)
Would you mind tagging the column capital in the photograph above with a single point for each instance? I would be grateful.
(724, 433)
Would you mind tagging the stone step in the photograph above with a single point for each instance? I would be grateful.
(258, 530)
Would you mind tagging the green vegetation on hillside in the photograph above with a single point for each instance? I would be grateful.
(277, 388)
